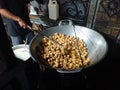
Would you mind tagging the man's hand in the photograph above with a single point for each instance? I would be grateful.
(22, 23)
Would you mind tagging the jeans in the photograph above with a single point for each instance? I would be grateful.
(20, 39)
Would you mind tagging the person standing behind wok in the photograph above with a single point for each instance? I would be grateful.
(10, 67)
(19, 8)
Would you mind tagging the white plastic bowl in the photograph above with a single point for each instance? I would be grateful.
(21, 51)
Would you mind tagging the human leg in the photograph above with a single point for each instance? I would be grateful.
(22, 78)
(18, 74)
(19, 39)
(16, 40)
(6, 78)
(29, 37)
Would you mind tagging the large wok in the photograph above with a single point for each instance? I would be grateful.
(96, 44)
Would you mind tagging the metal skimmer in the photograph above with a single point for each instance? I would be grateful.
(77, 44)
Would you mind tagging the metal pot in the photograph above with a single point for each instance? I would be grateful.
(96, 44)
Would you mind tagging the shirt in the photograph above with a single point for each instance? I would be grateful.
(18, 8)
(5, 45)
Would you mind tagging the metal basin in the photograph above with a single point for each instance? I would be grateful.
(96, 44)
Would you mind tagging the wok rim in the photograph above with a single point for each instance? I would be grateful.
(69, 71)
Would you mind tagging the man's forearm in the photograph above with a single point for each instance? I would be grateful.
(9, 15)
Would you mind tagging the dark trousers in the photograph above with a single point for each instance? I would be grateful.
(16, 74)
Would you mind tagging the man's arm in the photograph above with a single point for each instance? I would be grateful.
(9, 15)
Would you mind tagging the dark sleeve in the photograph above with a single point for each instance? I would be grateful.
(2, 4)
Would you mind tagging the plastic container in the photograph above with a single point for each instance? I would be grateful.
(53, 9)
(21, 51)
